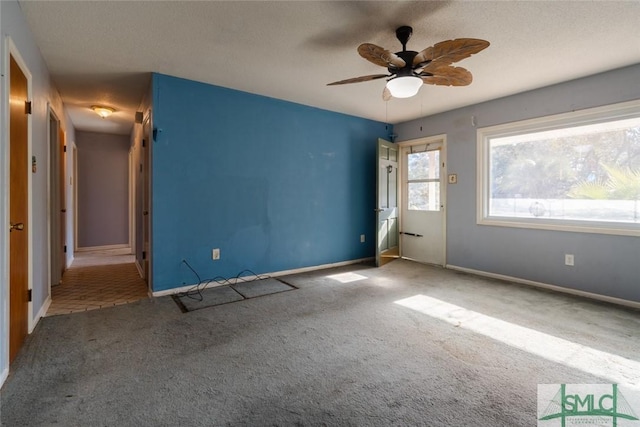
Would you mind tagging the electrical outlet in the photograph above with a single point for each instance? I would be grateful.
(362, 238)
(568, 259)
(215, 254)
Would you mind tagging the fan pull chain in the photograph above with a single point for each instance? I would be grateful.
(386, 116)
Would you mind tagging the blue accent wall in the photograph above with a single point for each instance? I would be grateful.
(273, 184)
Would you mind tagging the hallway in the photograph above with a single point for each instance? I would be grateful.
(97, 280)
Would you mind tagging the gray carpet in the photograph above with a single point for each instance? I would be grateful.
(206, 298)
(342, 350)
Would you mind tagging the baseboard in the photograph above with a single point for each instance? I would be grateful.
(599, 297)
(4, 376)
(274, 274)
(41, 313)
(102, 248)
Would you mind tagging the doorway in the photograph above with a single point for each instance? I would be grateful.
(423, 200)
(100, 272)
(19, 123)
(143, 203)
(387, 235)
(98, 279)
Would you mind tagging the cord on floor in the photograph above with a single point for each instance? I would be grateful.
(195, 292)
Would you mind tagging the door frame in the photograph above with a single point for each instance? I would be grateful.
(72, 185)
(147, 197)
(11, 50)
(392, 252)
(141, 197)
(132, 199)
(75, 197)
(52, 192)
(442, 138)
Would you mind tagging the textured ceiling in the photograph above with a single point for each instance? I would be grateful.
(102, 51)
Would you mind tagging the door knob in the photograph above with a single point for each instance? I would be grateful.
(378, 210)
(17, 226)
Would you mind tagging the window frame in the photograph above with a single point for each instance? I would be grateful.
(602, 114)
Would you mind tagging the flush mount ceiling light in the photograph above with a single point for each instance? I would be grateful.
(404, 87)
(103, 112)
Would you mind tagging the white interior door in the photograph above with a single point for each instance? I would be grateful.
(387, 238)
(423, 202)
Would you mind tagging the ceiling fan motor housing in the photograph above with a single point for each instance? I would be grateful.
(407, 70)
(403, 34)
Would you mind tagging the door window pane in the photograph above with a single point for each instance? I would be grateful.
(425, 165)
(424, 196)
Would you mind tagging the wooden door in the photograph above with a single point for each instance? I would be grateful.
(18, 201)
(63, 201)
(57, 199)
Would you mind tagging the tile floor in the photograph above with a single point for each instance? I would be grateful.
(98, 280)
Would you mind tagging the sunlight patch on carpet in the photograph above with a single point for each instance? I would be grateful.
(602, 364)
(347, 277)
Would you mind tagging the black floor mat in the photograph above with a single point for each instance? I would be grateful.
(230, 293)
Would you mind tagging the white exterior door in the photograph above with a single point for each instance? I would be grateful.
(423, 202)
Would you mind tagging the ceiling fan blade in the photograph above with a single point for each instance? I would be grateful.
(359, 79)
(450, 51)
(436, 68)
(380, 56)
(448, 76)
(386, 94)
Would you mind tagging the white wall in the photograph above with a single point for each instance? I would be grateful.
(103, 189)
(13, 26)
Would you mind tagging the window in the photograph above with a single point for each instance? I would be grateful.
(578, 171)
(423, 181)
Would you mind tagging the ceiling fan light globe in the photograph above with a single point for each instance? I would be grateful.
(404, 87)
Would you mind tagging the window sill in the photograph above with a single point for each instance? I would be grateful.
(564, 225)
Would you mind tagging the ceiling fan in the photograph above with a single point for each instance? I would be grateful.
(409, 70)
